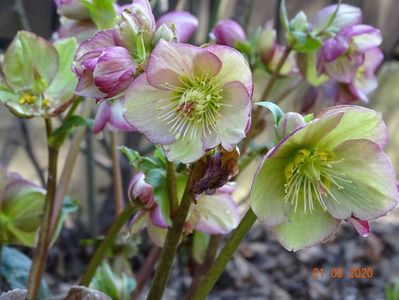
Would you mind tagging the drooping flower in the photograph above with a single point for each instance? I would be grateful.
(110, 115)
(228, 32)
(184, 23)
(36, 76)
(212, 214)
(342, 55)
(332, 169)
(191, 99)
(104, 69)
(21, 208)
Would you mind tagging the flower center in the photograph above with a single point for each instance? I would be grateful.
(309, 176)
(194, 106)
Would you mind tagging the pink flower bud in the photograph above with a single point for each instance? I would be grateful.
(289, 122)
(228, 32)
(184, 23)
(138, 188)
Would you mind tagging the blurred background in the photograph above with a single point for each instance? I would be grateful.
(261, 269)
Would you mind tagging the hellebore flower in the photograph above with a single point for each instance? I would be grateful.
(183, 22)
(228, 32)
(347, 15)
(110, 115)
(343, 54)
(104, 69)
(212, 214)
(21, 208)
(72, 9)
(37, 77)
(191, 99)
(332, 169)
(81, 30)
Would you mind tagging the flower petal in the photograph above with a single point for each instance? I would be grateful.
(234, 66)
(141, 111)
(267, 195)
(206, 63)
(170, 61)
(369, 188)
(185, 23)
(364, 37)
(356, 123)
(334, 48)
(234, 117)
(101, 39)
(347, 15)
(215, 214)
(185, 150)
(343, 69)
(305, 229)
(156, 234)
(86, 88)
(102, 117)
(362, 227)
(116, 121)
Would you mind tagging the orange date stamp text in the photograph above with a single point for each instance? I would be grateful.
(341, 272)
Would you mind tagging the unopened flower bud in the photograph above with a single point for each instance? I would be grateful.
(165, 32)
(289, 123)
(228, 32)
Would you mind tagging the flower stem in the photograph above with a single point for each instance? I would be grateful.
(41, 251)
(172, 192)
(69, 164)
(116, 172)
(257, 127)
(171, 243)
(213, 274)
(106, 243)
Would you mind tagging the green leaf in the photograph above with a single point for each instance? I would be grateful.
(141, 163)
(157, 179)
(14, 269)
(63, 85)
(114, 285)
(102, 12)
(59, 135)
(200, 246)
(68, 206)
(284, 16)
(277, 112)
(30, 63)
(304, 42)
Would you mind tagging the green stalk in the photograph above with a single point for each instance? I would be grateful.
(172, 192)
(171, 243)
(41, 251)
(106, 243)
(206, 284)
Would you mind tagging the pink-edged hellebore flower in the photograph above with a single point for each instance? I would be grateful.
(191, 99)
(212, 214)
(343, 54)
(183, 22)
(21, 209)
(347, 15)
(110, 116)
(72, 9)
(330, 170)
(104, 69)
(228, 32)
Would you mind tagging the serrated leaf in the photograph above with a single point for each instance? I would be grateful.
(63, 85)
(30, 63)
(102, 12)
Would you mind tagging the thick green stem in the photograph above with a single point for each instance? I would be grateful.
(41, 251)
(171, 243)
(206, 284)
(106, 243)
(116, 172)
(172, 189)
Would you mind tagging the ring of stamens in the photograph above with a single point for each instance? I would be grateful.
(193, 106)
(309, 177)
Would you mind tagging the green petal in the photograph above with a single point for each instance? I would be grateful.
(305, 229)
(30, 63)
(372, 190)
(267, 195)
(356, 123)
(185, 150)
(63, 85)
